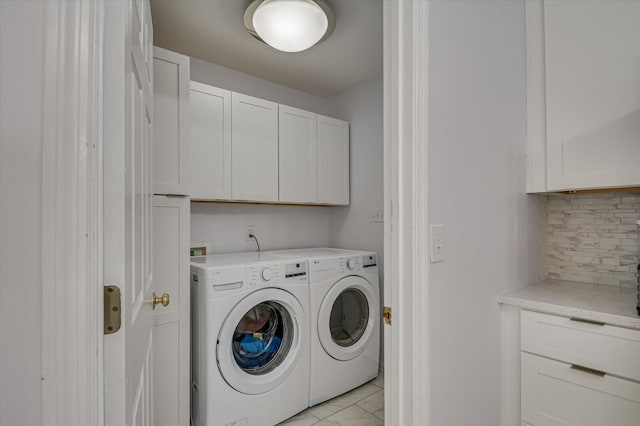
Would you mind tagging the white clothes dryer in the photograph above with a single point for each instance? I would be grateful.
(345, 319)
(250, 339)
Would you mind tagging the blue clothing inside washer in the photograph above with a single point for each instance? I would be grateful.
(255, 351)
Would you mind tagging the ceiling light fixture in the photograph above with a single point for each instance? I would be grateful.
(289, 25)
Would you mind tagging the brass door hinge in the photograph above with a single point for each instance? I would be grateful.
(112, 309)
(386, 314)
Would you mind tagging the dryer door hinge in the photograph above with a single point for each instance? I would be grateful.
(386, 314)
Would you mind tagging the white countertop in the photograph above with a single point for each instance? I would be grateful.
(604, 303)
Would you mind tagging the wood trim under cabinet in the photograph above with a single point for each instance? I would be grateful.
(269, 203)
(599, 191)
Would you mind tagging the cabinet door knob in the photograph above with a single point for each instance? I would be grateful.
(164, 300)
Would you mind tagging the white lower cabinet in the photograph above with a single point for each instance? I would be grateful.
(576, 372)
(171, 335)
(555, 393)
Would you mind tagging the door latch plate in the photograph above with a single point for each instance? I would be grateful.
(112, 309)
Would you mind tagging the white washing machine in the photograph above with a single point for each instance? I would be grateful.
(250, 339)
(345, 319)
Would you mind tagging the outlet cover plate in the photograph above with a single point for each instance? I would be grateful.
(249, 229)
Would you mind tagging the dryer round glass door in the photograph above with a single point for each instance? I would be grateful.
(260, 341)
(347, 317)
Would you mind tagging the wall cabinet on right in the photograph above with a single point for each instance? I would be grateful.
(583, 94)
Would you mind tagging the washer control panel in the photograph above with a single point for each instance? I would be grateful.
(369, 261)
(274, 273)
(298, 269)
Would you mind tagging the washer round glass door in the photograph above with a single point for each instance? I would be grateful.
(260, 341)
(347, 317)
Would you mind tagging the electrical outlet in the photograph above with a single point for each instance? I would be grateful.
(249, 230)
(437, 243)
(377, 215)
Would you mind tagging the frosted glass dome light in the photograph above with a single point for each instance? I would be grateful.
(290, 25)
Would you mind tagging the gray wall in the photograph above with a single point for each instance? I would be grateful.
(477, 164)
(276, 227)
(22, 38)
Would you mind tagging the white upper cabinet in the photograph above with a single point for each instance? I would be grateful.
(254, 158)
(248, 149)
(210, 142)
(333, 161)
(297, 155)
(170, 129)
(583, 94)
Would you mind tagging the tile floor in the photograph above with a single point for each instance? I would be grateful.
(363, 406)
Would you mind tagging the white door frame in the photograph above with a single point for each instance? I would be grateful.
(72, 215)
(406, 243)
(72, 369)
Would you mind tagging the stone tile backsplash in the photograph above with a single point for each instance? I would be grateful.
(593, 237)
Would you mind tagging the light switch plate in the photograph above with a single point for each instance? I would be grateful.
(437, 243)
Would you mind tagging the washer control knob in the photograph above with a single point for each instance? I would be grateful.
(352, 263)
(267, 274)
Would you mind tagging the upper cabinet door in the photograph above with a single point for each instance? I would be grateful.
(254, 158)
(210, 142)
(592, 64)
(333, 161)
(297, 155)
(170, 133)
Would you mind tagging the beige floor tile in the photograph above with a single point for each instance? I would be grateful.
(379, 381)
(303, 419)
(351, 416)
(341, 402)
(373, 403)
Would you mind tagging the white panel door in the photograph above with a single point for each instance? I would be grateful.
(254, 147)
(555, 393)
(170, 127)
(210, 142)
(171, 375)
(333, 161)
(297, 155)
(128, 63)
(592, 93)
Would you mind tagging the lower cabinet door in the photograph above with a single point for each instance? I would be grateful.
(171, 334)
(555, 393)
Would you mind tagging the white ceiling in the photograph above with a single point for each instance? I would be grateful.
(213, 30)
